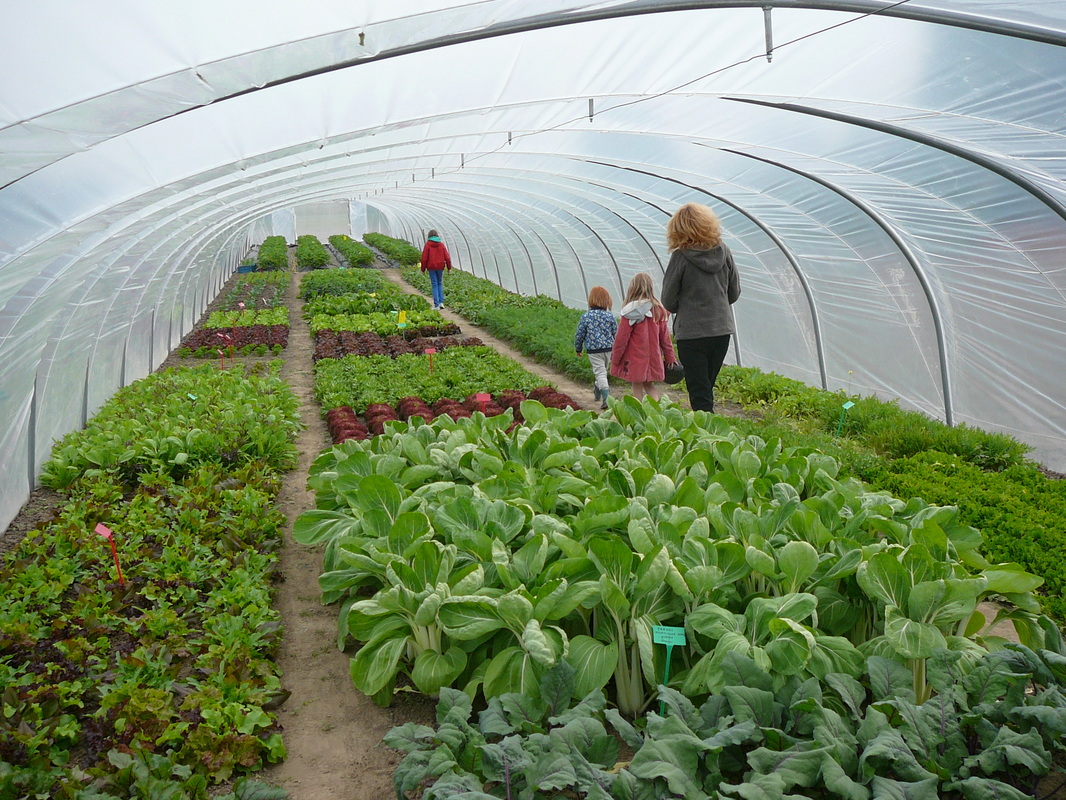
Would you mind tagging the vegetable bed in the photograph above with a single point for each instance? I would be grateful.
(150, 663)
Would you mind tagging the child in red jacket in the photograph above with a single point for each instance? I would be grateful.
(435, 259)
(642, 346)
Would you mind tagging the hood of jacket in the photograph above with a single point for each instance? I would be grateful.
(435, 243)
(636, 310)
(709, 261)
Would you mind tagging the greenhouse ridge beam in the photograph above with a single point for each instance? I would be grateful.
(907, 253)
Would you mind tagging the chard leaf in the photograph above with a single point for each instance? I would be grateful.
(749, 703)
(411, 772)
(376, 664)
(628, 733)
(379, 492)
(409, 737)
(432, 670)
(798, 766)
(502, 761)
(454, 706)
(885, 579)
(315, 526)
(511, 670)
(840, 783)
(557, 686)
(467, 617)
(593, 664)
(889, 789)
(976, 788)
(850, 691)
(673, 756)
(525, 713)
(538, 645)
(797, 561)
(515, 610)
(1010, 579)
(890, 679)
(493, 721)
(911, 639)
(1012, 749)
(555, 772)
(887, 754)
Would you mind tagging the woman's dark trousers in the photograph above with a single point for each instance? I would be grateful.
(702, 360)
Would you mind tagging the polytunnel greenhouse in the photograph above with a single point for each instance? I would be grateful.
(889, 177)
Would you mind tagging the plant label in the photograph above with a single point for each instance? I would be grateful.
(103, 530)
(848, 405)
(668, 635)
(403, 317)
(240, 306)
(430, 351)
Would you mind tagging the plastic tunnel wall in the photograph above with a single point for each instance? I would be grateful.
(889, 176)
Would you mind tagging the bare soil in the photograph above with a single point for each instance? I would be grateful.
(332, 732)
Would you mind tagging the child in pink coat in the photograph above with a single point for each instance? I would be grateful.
(642, 346)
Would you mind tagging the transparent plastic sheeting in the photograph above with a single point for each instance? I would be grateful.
(891, 183)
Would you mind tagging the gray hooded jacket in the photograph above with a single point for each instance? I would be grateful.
(699, 288)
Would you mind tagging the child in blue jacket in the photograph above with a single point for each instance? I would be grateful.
(595, 334)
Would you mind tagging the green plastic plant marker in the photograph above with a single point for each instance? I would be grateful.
(843, 411)
(670, 636)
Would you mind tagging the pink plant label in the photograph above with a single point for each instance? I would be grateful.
(103, 530)
(240, 306)
(430, 351)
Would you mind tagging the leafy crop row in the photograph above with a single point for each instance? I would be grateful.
(356, 254)
(241, 317)
(256, 290)
(259, 340)
(273, 254)
(337, 344)
(151, 674)
(396, 249)
(310, 254)
(358, 381)
(750, 547)
(469, 557)
(341, 282)
(231, 417)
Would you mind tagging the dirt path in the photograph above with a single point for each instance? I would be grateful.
(331, 731)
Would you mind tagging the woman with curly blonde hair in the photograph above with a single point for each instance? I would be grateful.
(700, 285)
